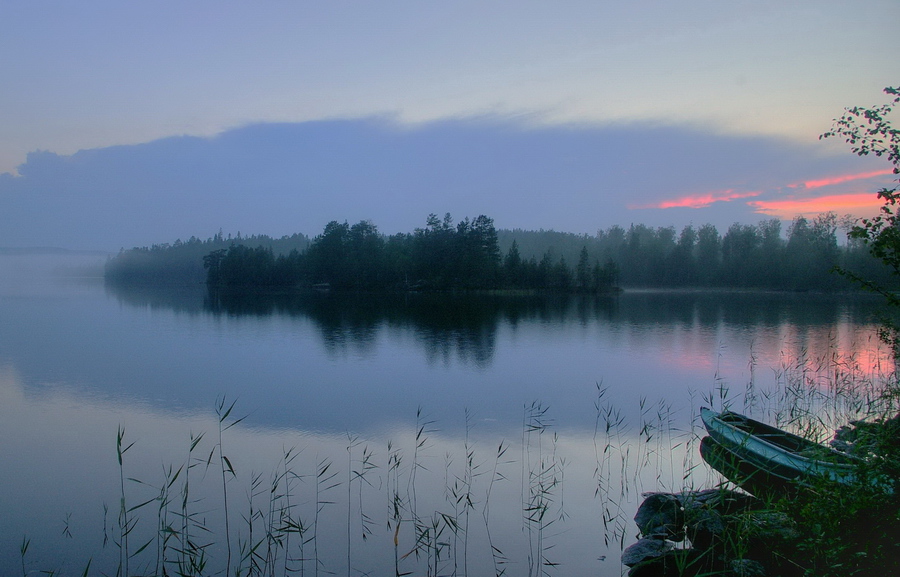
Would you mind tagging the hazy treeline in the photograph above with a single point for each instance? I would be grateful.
(181, 262)
(440, 256)
(472, 254)
(769, 255)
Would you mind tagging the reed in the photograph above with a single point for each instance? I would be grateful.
(23, 549)
(352, 442)
(290, 523)
(248, 549)
(358, 474)
(608, 440)
(325, 482)
(226, 468)
(541, 481)
(498, 559)
(395, 502)
(164, 531)
(190, 554)
(423, 429)
(286, 522)
(463, 495)
(128, 519)
(125, 525)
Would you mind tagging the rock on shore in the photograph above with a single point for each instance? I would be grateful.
(691, 533)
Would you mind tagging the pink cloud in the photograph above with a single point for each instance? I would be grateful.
(843, 178)
(700, 200)
(857, 204)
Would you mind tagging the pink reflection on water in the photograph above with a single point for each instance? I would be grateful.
(822, 353)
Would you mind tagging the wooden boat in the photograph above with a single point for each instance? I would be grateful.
(749, 477)
(753, 454)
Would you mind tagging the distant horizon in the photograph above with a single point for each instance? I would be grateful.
(290, 177)
(24, 250)
(127, 123)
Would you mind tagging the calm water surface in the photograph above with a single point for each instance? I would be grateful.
(406, 399)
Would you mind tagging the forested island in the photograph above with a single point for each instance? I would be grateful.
(473, 255)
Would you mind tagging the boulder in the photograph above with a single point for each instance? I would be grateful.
(645, 550)
(661, 515)
(703, 517)
(675, 563)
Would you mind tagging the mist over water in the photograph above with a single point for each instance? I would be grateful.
(324, 372)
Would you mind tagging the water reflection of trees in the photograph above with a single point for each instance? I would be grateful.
(447, 326)
(464, 326)
(188, 299)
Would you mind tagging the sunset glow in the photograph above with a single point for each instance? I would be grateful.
(701, 200)
(843, 178)
(859, 204)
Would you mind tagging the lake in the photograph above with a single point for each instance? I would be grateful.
(479, 433)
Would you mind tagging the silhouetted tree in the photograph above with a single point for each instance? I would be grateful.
(740, 247)
(512, 267)
(683, 264)
(709, 255)
(328, 255)
(770, 264)
(811, 252)
(583, 271)
(365, 251)
(211, 263)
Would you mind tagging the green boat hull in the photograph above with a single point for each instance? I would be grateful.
(755, 480)
(752, 454)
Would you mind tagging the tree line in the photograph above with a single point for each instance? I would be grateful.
(473, 255)
(181, 262)
(440, 256)
(801, 255)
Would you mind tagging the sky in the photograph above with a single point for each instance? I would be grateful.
(128, 124)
